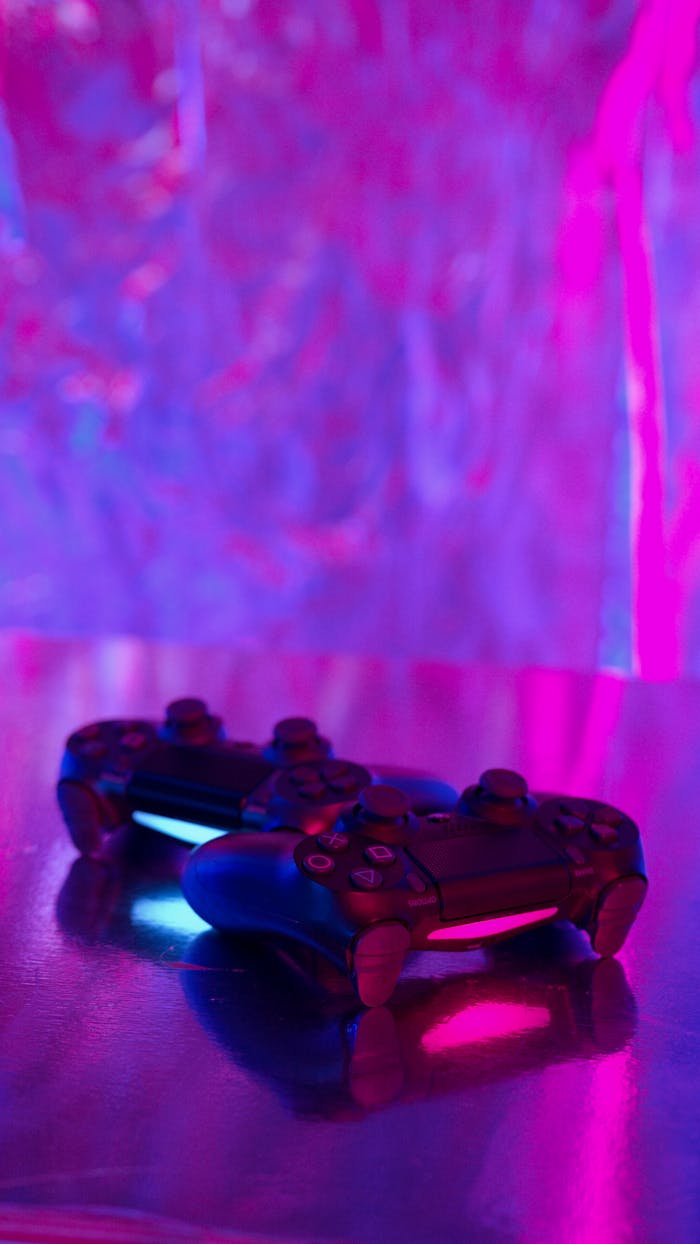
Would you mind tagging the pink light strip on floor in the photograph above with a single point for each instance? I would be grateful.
(484, 1022)
(472, 929)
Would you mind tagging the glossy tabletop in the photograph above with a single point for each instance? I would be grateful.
(156, 1085)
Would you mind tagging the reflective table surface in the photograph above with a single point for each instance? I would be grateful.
(158, 1084)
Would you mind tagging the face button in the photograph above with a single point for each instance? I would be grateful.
(571, 808)
(503, 784)
(333, 841)
(133, 740)
(568, 825)
(605, 815)
(606, 835)
(92, 748)
(318, 864)
(366, 878)
(384, 803)
(379, 854)
(88, 732)
(416, 883)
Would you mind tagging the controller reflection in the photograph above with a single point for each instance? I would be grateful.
(288, 1018)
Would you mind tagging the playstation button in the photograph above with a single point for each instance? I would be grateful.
(318, 864)
(333, 841)
(379, 854)
(366, 878)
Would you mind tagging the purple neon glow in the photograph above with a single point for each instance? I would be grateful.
(491, 926)
(354, 327)
(484, 1021)
(656, 67)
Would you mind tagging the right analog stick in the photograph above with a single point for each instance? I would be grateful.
(499, 797)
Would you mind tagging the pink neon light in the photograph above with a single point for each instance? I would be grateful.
(658, 62)
(472, 929)
(484, 1022)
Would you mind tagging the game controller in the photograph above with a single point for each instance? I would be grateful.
(182, 777)
(383, 880)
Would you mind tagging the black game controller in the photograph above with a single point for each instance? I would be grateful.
(384, 880)
(183, 778)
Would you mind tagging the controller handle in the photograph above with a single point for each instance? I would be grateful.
(251, 884)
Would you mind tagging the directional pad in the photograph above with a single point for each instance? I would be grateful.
(606, 835)
(568, 825)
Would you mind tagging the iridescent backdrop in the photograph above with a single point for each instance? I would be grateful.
(364, 325)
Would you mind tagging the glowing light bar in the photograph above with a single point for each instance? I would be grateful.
(473, 929)
(186, 831)
(484, 1022)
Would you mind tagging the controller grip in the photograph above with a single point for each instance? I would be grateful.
(250, 884)
(615, 913)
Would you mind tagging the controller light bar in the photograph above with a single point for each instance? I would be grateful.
(472, 930)
(185, 831)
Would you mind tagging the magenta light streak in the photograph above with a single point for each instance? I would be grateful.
(484, 1022)
(472, 929)
(658, 62)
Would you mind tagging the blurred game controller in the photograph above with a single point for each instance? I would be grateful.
(184, 778)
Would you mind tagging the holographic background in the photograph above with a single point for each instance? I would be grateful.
(357, 326)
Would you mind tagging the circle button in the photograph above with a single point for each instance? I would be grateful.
(318, 864)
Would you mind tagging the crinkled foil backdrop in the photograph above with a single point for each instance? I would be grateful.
(368, 326)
